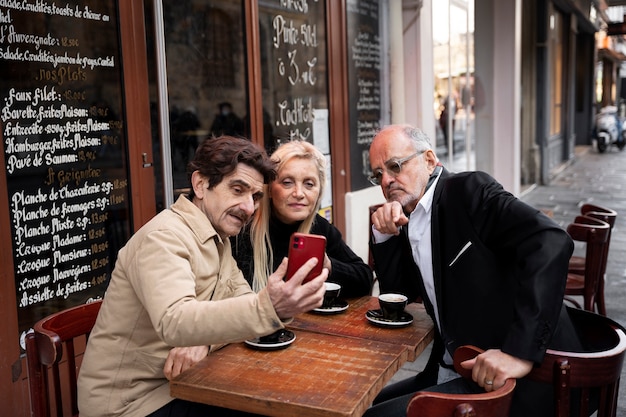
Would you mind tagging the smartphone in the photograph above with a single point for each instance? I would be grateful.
(302, 247)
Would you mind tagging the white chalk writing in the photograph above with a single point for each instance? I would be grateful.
(62, 144)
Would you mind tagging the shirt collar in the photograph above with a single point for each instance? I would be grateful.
(426, 202)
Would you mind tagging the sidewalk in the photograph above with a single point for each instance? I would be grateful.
(599, 179)
(590, 178)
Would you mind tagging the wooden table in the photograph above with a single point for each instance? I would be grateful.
(353, 323)
(335, 367)
(317, 375)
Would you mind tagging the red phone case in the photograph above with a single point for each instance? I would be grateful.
(302, 247)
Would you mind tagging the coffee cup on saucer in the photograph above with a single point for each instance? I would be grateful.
(278, 336)
(392, 305)
(331, 294)
(271, 338)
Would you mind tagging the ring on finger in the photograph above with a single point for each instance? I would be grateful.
(488, 382)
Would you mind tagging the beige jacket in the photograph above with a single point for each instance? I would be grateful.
(175, 283)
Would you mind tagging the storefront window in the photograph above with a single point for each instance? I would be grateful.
(203, 65)
(453, 41)
(207, 79)
(206, 76)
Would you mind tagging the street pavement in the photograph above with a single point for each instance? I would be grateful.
(597, 178)
(591, 177)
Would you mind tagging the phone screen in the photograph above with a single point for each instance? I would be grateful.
(302, 247)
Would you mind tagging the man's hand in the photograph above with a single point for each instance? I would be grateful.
(389, 217)
(493, 367)
(182, 358)
(291, 297)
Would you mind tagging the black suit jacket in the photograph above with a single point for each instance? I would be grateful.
(499, 265)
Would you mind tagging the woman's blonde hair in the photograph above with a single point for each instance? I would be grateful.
(259, 229)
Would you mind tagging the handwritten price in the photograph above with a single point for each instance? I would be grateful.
(99, 263)
(96, 233)
(98, 280)
(294, 76)
(86, 155)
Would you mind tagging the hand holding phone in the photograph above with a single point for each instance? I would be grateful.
(302, 247)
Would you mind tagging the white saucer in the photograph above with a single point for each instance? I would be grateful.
(376, 317)
(337, 307)
(284, 341)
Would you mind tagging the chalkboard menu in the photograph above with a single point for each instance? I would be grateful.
(294, 78)
(364, 60)
(293, 56)
(64, 150)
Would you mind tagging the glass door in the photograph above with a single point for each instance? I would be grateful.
(198, 79)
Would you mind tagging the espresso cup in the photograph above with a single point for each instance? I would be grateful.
(273, 338)
(331, 294)
(392, 305)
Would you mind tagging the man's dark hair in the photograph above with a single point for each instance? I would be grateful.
(218, 157)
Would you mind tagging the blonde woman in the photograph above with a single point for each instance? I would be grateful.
(290, 204)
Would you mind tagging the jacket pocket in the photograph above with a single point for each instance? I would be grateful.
(142, 376)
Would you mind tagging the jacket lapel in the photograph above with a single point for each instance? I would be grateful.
(435, 239)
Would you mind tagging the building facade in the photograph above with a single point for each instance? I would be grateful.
(103, 103)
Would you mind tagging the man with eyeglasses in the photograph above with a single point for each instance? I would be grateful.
(490, 269)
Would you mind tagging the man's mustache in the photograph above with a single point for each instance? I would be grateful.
(245, 218)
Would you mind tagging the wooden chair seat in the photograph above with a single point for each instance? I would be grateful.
(577, 263)
(496, 403)
(575, 282)
(53, 352)
(595, 234)
(588, 375)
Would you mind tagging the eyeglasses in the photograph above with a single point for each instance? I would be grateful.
(393, 168)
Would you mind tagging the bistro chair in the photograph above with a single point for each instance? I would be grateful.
(582, 378)
(595, 234)
(51, 351)
(577, 263)
(496, 403)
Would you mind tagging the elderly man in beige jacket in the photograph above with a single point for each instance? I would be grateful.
(176, 292)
